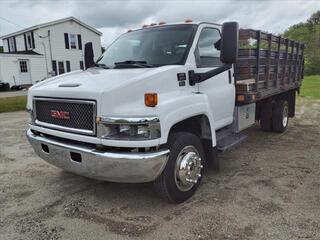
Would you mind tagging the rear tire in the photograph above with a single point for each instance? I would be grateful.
(280, 116)
(185, 164)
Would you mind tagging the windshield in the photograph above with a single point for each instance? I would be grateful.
(166, 45)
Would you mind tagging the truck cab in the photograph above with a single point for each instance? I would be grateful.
(151, 109)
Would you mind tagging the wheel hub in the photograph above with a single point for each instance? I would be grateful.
(285, 116)
(188, 168)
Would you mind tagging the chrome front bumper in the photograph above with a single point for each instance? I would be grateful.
(109, 166)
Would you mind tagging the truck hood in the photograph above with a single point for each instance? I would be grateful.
(87, 84)
(102, 85)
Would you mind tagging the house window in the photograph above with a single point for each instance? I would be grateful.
(73, 41)
(23, 66)
(61, 67)
(30, 41)
(12, 44)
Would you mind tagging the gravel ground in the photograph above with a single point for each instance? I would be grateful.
(267, 188)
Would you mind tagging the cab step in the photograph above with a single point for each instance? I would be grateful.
(227, 142)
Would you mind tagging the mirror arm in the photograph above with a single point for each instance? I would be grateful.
(200, 77)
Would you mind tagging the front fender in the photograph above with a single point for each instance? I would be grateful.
(184, 107)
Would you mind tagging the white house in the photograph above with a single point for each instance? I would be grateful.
(44, 50)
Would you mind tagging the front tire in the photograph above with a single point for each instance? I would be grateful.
(183, 172)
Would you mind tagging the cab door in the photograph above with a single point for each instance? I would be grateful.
(220, 89)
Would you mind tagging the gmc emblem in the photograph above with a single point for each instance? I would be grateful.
(60, 114)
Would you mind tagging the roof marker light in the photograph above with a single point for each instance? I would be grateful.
(145, 26)
(162, 23)
(188, 21)
(153, 24)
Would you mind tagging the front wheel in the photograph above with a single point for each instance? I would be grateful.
(183, 172)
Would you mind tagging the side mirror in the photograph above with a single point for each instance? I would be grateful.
(229, 42)
(88, 55)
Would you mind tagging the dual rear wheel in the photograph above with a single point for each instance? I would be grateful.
(275, 116)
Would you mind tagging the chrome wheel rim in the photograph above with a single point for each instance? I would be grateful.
(188, 168)
(285, 116)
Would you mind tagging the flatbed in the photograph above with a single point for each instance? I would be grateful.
(267, 65)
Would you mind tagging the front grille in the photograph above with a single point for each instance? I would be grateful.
(80, 114)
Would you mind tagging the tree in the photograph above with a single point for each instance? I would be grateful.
(1, 49)
(314, 19)
(309, 34)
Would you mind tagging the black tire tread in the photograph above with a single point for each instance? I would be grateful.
(161, 188)
(159, 183)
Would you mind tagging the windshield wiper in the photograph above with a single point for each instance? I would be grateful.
(101, 65)
(132, 64)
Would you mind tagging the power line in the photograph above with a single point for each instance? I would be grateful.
(6, 20)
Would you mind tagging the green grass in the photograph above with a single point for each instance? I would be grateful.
(12, 104)
(311, 87)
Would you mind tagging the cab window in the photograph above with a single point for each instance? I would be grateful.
(208, 48)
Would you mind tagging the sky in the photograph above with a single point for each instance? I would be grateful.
(113, 17)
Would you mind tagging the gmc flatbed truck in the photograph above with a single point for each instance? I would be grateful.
(161, 100)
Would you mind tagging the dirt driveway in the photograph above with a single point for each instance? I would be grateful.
(268, 188)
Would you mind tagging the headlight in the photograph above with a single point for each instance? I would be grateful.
(129, 128)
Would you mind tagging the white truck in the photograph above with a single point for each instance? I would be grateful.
(160, 101)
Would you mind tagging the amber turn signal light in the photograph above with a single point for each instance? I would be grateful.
(151, 99)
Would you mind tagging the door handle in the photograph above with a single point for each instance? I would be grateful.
(230, 80)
